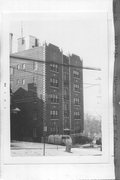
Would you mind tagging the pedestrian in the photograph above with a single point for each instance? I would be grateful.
(94, 141)
(68, 144)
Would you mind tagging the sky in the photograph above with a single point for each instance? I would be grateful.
(83, 34)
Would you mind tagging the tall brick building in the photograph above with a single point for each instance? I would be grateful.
(48, 89)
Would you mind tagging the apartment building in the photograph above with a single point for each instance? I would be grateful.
(48, 89)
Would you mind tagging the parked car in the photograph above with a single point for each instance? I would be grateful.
(58, 139)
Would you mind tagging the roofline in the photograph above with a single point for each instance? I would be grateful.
(41, 61)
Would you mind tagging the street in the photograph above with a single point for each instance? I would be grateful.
(21, 148)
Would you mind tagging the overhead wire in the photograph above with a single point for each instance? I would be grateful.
(60, 64)
(32, 72)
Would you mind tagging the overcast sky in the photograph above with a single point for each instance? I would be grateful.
(84, 34)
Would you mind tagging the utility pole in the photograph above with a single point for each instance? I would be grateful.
(44, 144)
(44, 138)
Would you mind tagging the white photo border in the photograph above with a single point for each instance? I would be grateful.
(107, 142)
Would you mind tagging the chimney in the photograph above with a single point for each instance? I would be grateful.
(10, 42)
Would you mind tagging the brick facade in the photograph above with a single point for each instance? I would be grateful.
(48, 89)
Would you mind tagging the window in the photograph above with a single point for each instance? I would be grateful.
(54, 114)
(66, 94)
(66, 78)
(66, 107)
(66, 113)
(77, 101)
(35, 115)
(23, 41)
(23, 66)
(54, 98)
(76, 87)
(66, 124)
(41, 96)
(54, 127)
(18, 81)
(23, 81)
(35, 66)
(76, 74)
(34, 132)
(36, 42)
(11, 71)
(54, 82)
(77, 126)
(34, 79)
(76, 115)
(54, 67)
(18, 66)
(66, 110)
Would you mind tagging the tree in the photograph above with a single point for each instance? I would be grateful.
(92, 125)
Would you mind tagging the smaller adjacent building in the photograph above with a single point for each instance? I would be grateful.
(27, 121)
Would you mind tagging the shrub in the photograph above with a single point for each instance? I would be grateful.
(98, 141)
(80, 139)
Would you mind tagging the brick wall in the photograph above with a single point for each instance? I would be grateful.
(53, 57)
(48, 70)
(76, 121)
(27, 86)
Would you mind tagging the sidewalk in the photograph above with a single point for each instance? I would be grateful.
(36, 149)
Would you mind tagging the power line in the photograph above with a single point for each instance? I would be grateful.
(44, 75)
(26, 71)
(32, 72)
(92, 84)
(89, 86)
(44, 62)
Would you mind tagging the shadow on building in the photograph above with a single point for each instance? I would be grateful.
(26, 114)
